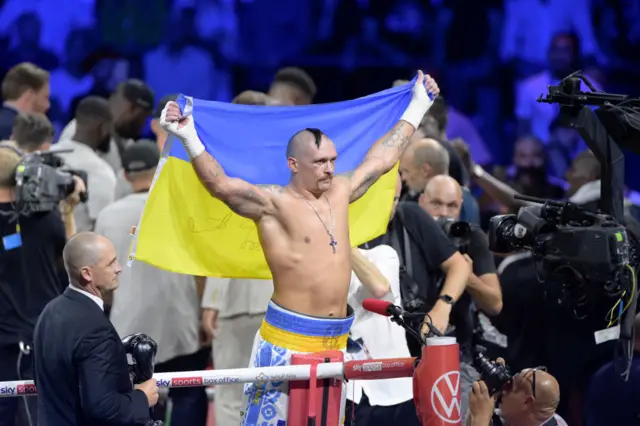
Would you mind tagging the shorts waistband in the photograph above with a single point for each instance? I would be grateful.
(303, 333)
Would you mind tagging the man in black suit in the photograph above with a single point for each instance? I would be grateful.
(25, 88)
(81, 369)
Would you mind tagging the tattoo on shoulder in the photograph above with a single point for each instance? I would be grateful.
(397, 139)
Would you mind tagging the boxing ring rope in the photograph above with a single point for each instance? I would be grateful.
(373, 369)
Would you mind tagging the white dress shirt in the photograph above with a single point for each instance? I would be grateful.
(237, 296)
(381, 337)
(93, 297)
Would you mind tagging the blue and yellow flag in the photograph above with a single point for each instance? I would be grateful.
(183, 229)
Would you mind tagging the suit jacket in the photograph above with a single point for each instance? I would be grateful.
(81, 369)
(7, 116)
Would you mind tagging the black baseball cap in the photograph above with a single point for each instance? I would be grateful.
(140, 156)
(163, 103)
(138, 93)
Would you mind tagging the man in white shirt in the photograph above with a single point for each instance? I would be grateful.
(232, 315)
(379, 402)
(94, 121)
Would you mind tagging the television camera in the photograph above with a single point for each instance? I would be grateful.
(592, 254)
(41, 183)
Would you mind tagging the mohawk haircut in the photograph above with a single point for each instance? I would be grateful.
(297, 140)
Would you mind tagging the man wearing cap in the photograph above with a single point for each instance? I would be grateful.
(146, 291)
(130, 105)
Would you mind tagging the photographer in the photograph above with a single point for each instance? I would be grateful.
(529, 398)
(442, 199)
(30, 276)
(426, 255)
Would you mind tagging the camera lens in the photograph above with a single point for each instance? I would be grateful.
(495, 375)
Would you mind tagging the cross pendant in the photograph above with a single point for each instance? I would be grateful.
(333, 244)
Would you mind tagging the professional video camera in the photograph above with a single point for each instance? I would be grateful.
(41, 184)
(593, 256)
(459, 232)
(493, 374)
(565, 238)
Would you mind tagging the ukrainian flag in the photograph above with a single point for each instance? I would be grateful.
(183, 229)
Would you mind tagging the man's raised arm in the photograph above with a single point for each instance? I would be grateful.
(386, 152)
(243, 198)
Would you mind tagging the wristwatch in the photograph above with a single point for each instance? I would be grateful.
(447, 299)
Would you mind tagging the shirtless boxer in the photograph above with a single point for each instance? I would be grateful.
(304, 232)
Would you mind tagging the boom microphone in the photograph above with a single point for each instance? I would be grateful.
(382, 307)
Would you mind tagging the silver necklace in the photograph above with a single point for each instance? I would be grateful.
(333, 243)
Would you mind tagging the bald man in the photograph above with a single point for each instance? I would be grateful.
(530, 399)
(426, 158)
(81, 368)
(422, 160)
(442, 199)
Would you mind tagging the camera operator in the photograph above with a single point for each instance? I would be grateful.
(32, 131)
(30, 272)
(529, 398)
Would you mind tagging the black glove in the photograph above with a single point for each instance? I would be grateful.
(141, 350)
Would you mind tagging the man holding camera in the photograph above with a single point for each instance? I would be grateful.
(529, 398)
(425, 253)
(442, 199)
(30, 272)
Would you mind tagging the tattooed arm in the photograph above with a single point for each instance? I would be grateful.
(380, 159)
(245, 199)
